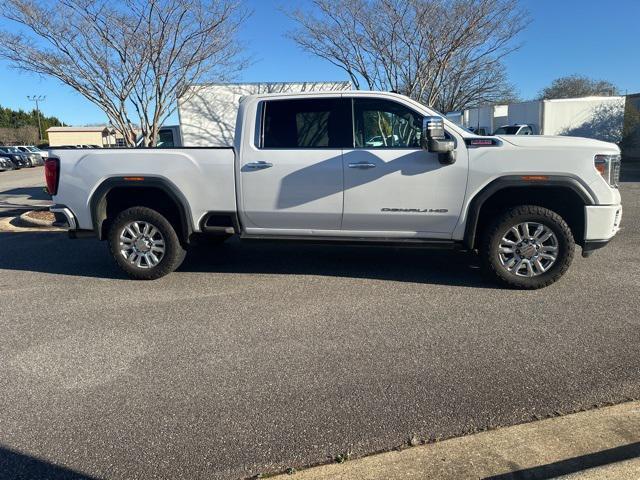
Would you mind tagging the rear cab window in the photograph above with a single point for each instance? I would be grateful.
(306, 123)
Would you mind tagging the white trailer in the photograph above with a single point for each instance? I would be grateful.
(596, 117)
(486, 119)
(208, 112)
(592, 117)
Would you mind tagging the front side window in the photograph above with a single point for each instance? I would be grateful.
(385, 124)
(312, 123)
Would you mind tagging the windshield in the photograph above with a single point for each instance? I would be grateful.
(507, 130)
(33, 149)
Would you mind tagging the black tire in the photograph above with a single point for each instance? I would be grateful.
(172, 256)
(492, 237)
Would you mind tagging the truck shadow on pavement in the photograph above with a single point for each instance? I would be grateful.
(400, 264)
(15, 465)
(54, 253)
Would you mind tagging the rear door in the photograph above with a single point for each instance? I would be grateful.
(292, 176)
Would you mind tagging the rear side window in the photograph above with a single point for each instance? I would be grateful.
(313, 123)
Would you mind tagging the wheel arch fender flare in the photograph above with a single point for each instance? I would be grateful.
(98, 200)
(518, 181)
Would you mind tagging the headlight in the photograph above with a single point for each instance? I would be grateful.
(609, 167)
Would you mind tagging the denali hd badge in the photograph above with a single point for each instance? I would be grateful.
(415, 210)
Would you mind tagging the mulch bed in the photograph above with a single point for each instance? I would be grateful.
(45, 215)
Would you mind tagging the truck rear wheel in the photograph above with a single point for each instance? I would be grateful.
(527, 247)
(144, 244)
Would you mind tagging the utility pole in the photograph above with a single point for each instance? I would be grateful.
(38, 99)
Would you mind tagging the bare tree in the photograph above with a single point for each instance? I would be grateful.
(131, 58)
(25, 135)
(574, 86)
(445, 53)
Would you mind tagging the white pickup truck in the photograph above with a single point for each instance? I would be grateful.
(357, 166)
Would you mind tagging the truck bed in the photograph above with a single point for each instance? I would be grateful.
(203, 176)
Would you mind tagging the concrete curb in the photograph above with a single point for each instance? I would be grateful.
(14, 225)
(597, 443)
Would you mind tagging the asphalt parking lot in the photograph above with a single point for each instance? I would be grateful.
(21, 190)
(257, 357)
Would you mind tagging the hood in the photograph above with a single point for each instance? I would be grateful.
(543, 141)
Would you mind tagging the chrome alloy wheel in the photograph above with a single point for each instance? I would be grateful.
(142, 244)
(528, 249)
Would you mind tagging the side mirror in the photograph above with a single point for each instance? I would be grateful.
(434, 140)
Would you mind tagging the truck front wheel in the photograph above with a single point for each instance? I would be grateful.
(527, 247)
(144, 244)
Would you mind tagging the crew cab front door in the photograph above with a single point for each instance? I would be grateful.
(292, 180)
(392, 184)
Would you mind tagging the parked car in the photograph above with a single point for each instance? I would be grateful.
(33, 159)
(520, 129)
(382, 140)
(19, 159)
(6, 164)
(74, 147)
(168, 137)
(33, 149)
(300, 169)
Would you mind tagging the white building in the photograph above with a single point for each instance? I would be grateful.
(208, 112)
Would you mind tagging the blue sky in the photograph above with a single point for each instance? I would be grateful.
(565, 37)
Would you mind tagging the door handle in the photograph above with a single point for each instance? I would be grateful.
(259, 165)
(362, 165)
